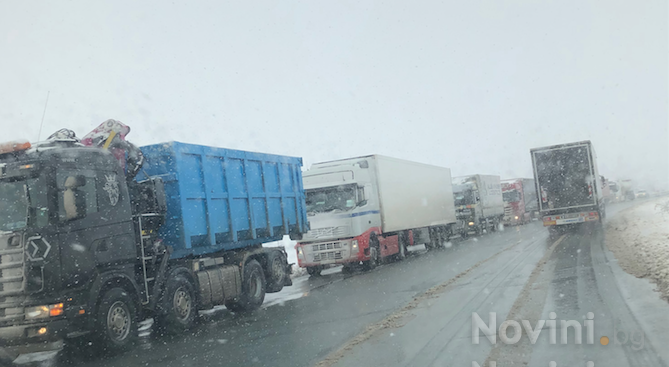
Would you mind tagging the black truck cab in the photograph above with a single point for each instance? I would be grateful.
(66, 234)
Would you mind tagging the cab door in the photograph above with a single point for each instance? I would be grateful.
(100, 235)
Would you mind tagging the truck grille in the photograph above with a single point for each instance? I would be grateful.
(330, 255)
(326, 246)
(12, 279)
(327, 232)
(508, 211)
(11, 268)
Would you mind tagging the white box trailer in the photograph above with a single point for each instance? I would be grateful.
(478, 202)
(366, 208)
(413, 195)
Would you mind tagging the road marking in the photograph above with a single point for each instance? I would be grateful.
(393, 319)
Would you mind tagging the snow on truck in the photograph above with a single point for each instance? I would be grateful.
(86, 248)
(364, 209)
(520, 200)
(478, 203)
(568, 184)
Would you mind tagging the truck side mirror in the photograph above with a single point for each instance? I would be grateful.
(478, 199)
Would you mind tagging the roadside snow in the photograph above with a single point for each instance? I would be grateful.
(639, 239)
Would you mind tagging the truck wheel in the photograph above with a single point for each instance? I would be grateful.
(276, 271)
(373, 254)
(178, 308)
(314, 271)
(253, 289)
(116, 321)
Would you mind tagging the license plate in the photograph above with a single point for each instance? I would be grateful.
(572, 220)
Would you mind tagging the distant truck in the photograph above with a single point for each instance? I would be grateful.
(608, 195)
(627, 190)
(614, 190)
(567, 181)
(364, 209)
(87, 248)
(478, 203)
(520, 201)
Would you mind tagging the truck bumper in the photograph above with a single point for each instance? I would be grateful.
(334, 252)
(570, 218)
(23, 339)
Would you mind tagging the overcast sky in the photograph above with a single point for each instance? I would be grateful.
(470, 85)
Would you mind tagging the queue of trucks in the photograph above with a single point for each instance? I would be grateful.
(98, 234)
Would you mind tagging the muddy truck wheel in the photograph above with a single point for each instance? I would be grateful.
(276, 271)
(116, 321)
(314, 271)
(178, 308)
(253, 289)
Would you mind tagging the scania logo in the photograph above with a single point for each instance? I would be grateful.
(38, 248)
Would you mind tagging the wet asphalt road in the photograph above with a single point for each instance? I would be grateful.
(306, 323)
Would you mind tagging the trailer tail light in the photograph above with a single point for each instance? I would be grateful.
(550, 221)
(14, 146)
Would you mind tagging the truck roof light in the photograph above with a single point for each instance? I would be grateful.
(14, 146)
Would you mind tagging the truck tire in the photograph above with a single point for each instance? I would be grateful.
(116, 321)
(435, 239)
(178, 308)
(373, 254)
(253, 289)
(314, 271)
(275, 271)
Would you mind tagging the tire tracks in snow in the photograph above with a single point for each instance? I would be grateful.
(396, 318)
(527, 306)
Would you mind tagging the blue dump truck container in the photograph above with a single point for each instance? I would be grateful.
(222, 199)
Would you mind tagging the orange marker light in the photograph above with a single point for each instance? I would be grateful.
(14, 146)
(56, 310)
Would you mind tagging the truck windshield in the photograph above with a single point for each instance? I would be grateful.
(512, 196)
(328, 199)
(22, 201)
(466, 197)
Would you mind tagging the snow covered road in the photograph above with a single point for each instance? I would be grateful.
(418, 312)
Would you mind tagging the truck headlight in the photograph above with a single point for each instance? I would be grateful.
(516, 217)
(43, 312)
(354, 246)
(471, 223)
(300, 253)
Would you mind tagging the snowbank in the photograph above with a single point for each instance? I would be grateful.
(639, 238)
